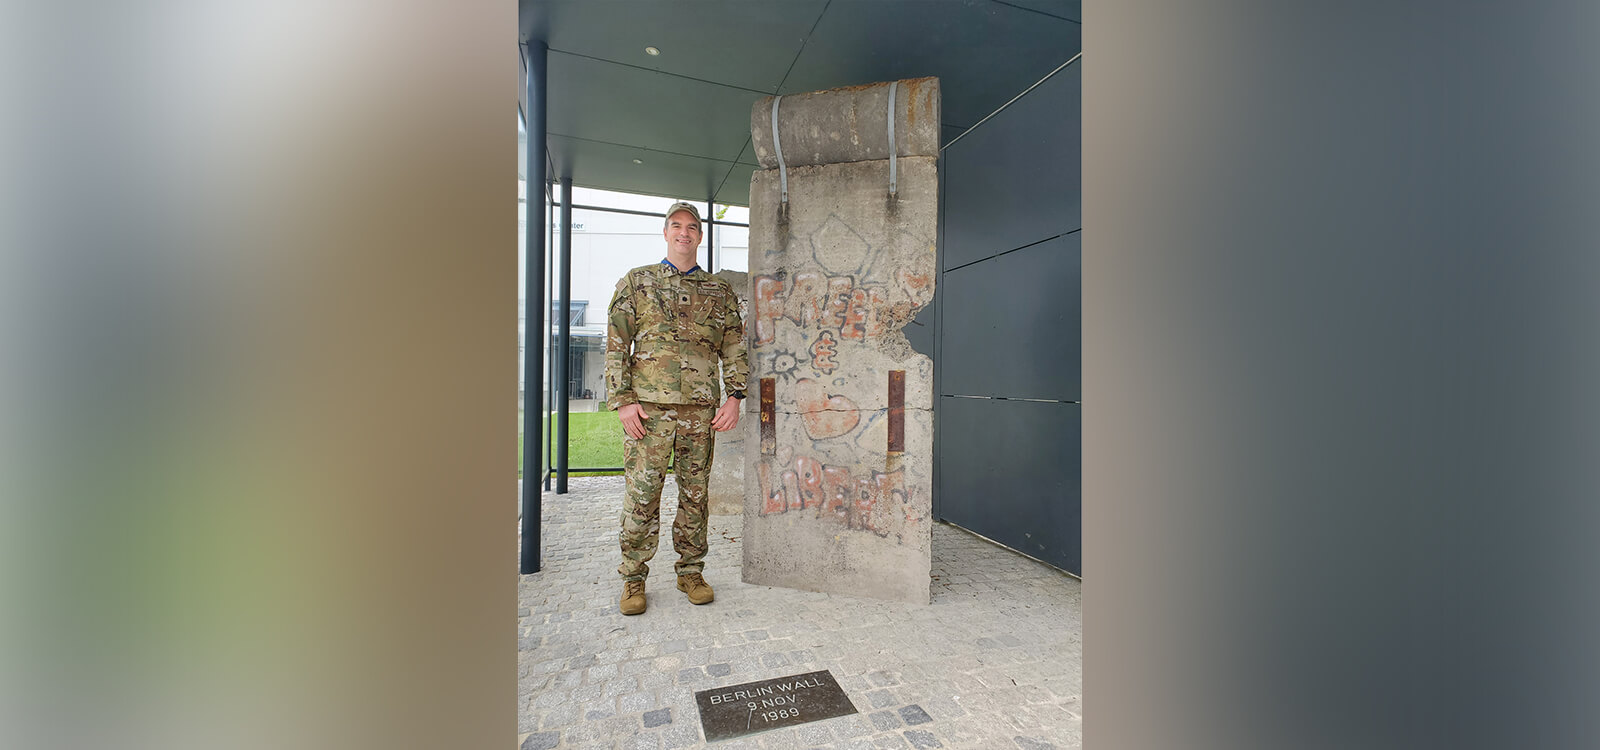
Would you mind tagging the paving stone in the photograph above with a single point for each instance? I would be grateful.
(635, 667)
(586, 735)
(642, 741)
(945, 708)
(680, 735)
(782, 739)
(633, 703)
(1025, 680)
(550, 699)
(889, 742)
(922, 740)
(620, 686)
(567, 679)
(658, 717)
(855, 744)
(655, 680)
(854, 725)
(881, 699)
(885, 720)
(1029, 743)
(913, 715)
(541, 741)
(619, 728)
(815, 733)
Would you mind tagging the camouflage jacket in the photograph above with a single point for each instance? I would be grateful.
(666, 331)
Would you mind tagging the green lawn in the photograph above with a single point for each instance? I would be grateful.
(596, 441)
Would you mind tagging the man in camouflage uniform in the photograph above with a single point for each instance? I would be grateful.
(669, 325)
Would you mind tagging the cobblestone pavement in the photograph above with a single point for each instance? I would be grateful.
(994, 662)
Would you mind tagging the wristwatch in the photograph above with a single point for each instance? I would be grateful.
(736, 394)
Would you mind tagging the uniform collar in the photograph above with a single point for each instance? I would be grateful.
(674, 269)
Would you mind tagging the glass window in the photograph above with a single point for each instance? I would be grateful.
(605, 245)
(735, 214)
(733, 248)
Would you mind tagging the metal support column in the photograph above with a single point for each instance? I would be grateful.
(565, 368)
(533, 310)
(550, 294)
(711, 236)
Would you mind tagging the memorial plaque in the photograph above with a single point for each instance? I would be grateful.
(753, 707)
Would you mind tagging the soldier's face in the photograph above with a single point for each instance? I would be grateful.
(682, 232)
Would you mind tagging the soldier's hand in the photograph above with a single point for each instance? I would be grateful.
(727, 416)
(633, 416)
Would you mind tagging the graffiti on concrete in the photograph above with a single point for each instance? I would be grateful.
(839, 249)
(823, 351)
(783, 364)
(917, 286)
(835, 304)
(837, 467)
(825, 415)
(877, 503)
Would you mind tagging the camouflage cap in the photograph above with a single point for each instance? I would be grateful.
(681, 206)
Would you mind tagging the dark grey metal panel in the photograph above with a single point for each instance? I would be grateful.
(1002, 50)
(600, 101)
(1072, 9)
(919, 332)
(1015, 179)
(747, 155)
(610, 167)
(735, 188)
(937, 314)
(1013, 327)
(948, 133)
(695, 97)
(1013, 472)
(735, 185)
(737, 42)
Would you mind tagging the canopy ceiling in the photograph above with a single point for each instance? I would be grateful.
(685, 114)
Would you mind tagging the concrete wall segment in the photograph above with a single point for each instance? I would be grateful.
(727, 471)
(835, 275)
(848, 124)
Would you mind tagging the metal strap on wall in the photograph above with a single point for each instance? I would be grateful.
(783, 170)
(892, 85)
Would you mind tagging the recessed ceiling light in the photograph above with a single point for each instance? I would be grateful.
(638, 161)
(652, 51)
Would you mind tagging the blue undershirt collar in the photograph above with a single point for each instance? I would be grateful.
(668, 263)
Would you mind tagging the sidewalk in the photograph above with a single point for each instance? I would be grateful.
(994, 662)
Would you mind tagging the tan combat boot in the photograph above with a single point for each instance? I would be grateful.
(632, 597)
(696, 587)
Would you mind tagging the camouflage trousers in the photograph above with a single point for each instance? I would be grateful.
(682, 433)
